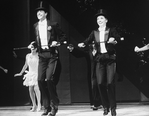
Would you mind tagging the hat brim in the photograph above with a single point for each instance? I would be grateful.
(101, 14)
(41, 8)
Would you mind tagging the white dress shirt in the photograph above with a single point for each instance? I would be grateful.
(102, 40)
(43, 34)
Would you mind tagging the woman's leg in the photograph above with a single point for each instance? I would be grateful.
(38, 96)
(32, 96)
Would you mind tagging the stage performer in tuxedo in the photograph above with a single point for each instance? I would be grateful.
(105, 39)
(48, 37)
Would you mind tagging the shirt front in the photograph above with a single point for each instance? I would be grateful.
(102, 40)
(43, 34)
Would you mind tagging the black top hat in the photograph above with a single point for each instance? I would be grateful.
(101, 12)
(41, 7)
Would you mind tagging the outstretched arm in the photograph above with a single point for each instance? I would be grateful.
(23, 69)
(144, 48)
(5, 70)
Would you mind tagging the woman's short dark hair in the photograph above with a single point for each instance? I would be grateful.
(34, 44)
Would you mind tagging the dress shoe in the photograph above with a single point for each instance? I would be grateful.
(38, 109)
(113, 112)
(53, 111)
(46, 112)
(100, 107)
(106, 111)
(96, 107)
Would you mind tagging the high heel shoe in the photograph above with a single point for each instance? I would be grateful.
(33, 109)
(38, 108)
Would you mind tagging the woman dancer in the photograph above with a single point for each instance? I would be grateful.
(30, 79)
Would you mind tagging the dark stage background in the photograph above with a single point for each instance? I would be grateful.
(77, 21)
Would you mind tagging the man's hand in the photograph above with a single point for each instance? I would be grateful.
(5, 70)
(49, 28)
(54, 44)
(137, 49)
(70, 47)
(112, 40)
(81, 45)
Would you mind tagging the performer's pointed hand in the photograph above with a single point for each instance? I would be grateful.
(112, 40)
(81, 45)
(5, 70)
(70, 47)
(136, 49)
(54, 44)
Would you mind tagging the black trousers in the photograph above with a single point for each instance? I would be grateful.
(95, 97)
(105, 73)
(46, 69)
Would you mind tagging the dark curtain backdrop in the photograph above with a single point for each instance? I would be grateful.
(6, 55)
(63, 86)
(21, 34)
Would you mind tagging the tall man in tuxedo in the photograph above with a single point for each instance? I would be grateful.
(105, 39)
(48, 37)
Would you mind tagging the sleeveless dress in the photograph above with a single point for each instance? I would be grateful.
(30, 79)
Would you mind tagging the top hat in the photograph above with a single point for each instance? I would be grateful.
(41, 7)
(101, 12)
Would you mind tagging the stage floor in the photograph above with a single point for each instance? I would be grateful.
(123, 109)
